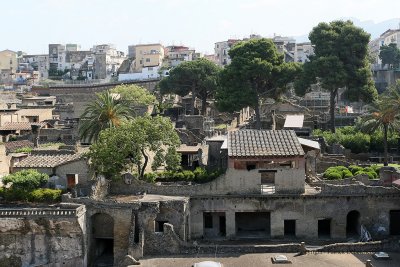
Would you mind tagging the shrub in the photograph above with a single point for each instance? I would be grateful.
(333, 175)
(200, 174)
(45, 195)
(188, 175)
(150, 177)
(355, 168)
(371, 175)
(24, 150)
(26, 180)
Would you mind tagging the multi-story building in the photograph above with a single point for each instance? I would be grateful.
(107, 60)
(174, 55)
(147, 55)
(221, 51)
(72, 47)
(303, 51)
(285, 45)
(388, 37)
(8, 60)
(30, 63)
(56, 57)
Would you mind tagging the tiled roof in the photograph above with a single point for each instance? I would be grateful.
(14, 145)
(46, 161)
(263, 143)
(13, 126)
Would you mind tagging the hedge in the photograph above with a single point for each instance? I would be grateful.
(199, 175)
(341, 172)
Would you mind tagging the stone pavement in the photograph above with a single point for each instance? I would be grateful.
(263, 259)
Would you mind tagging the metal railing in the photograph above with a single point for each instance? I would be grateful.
(38, 212)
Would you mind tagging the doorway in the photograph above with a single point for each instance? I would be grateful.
(353, 226)
(289, 228)
(394, 222)
(102, 245)
(324, 228)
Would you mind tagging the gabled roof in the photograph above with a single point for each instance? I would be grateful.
(14, 126)
(264, 143)
(14, 145)
(47, 161)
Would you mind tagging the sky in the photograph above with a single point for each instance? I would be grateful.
(30, 25)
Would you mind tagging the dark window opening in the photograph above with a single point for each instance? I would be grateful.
(208, 220)
(159, 226)
(290, 228)
(324, 228)
(251, 166)
(394, 222)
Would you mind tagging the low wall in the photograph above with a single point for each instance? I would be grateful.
(374, 246)
(232, 182)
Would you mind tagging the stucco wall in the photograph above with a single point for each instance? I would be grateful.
(306, 210)
(79, 167)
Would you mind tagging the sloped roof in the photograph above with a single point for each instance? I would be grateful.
(12, 146)
(47, 161)
(309, 143)
(13, 126)
(294, 121)
(264, 143)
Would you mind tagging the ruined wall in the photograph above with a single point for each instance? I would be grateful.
(49, 239)
(306, 210)
(232, 182)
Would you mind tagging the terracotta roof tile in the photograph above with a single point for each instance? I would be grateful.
(46, 161)
(263, 143)
(13, 126)
(12, 146)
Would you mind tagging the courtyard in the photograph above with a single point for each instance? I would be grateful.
(264, 259)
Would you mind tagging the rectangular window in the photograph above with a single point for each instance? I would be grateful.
(208, 220)
(159, 226)
(147, 59)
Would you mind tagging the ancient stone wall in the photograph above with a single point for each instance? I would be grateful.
(43, 237)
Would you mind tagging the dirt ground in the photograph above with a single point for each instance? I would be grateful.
(264, 259)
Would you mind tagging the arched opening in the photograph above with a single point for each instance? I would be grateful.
(102, 248)
(353, 224)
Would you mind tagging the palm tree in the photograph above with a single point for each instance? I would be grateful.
(106, 111)
(384, 115)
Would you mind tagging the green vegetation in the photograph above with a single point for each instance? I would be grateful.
(390, 54)
(341, 172)
(106, 111)
(25, 186)
(353, 138)
(199, 175)
(257, 71)
(384, 115)
(24, 150)
(198, 77)
(131, 144)
(340, 61)
(134, 95)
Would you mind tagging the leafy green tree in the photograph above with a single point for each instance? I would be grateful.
(340, 61)
(26, 180)
(198, 77)
(135, 95)
(384, 115)
(257, 71)
(133, 143)
(390, 54)
(105, 111)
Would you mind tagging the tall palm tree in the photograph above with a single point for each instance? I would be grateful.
(384, 115)
(105, 111)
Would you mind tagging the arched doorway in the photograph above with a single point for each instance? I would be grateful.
(102, 245)
(353, 224)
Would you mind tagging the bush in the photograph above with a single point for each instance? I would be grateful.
(150, 177)
(333, 175)
(24, 150)
(355, 168)
(371, 175)
(26, 180)
(188, 175)
(45, 195)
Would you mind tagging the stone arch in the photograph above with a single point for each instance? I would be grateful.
(353, 223)
(102, 239)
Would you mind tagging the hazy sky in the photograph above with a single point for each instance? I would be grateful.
(30, 25)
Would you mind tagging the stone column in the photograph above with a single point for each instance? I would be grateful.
(230, 224)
